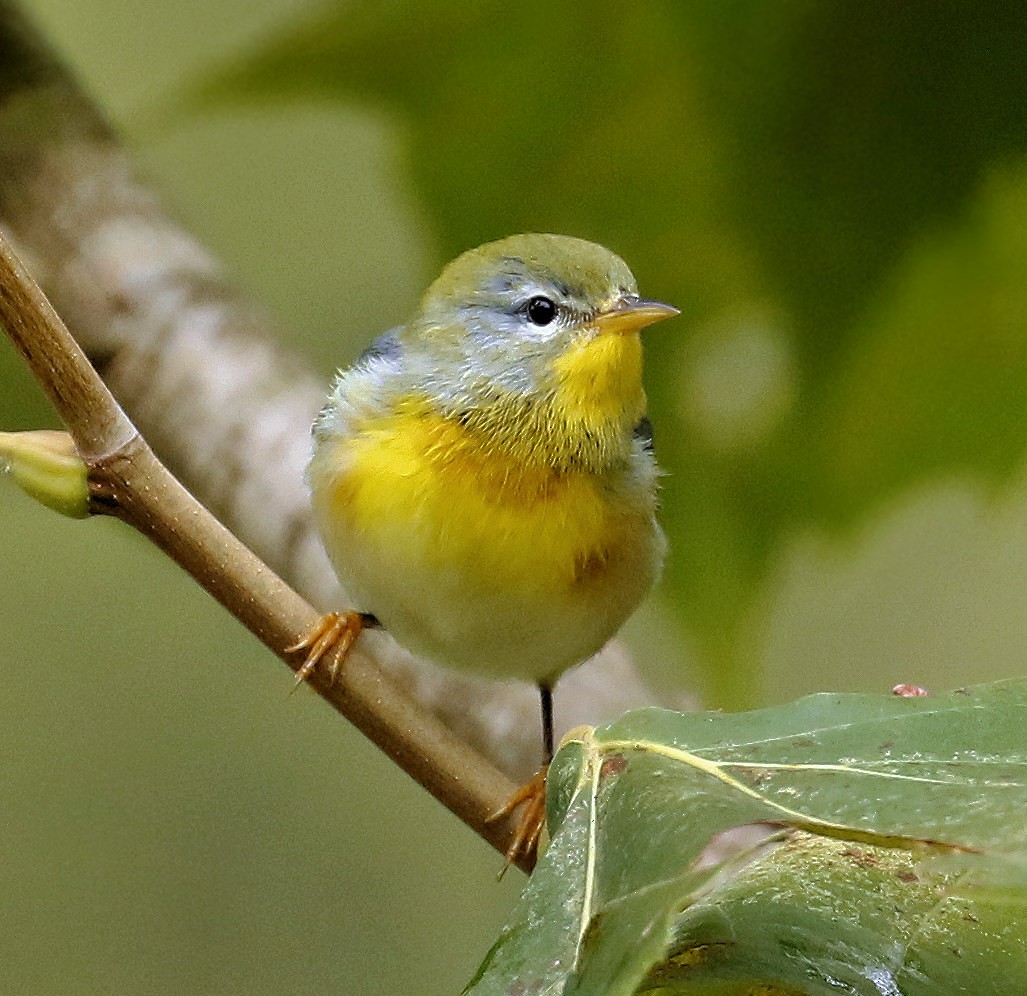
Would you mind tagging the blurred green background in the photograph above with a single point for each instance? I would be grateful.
(835, 194)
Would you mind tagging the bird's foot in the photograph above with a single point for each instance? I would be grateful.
(333, 636)
(530, 798)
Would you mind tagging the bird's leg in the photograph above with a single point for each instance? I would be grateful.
(545, 696)
(335, 632)
(531, 795)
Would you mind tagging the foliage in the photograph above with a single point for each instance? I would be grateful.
(900, 810)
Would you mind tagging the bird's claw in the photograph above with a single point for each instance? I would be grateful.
(334, 635)
(532, 797)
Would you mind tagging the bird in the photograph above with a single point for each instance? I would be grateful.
(483, 477)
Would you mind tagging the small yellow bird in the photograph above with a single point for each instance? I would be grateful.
(483, 477)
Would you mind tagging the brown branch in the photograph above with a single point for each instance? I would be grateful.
(128, 481)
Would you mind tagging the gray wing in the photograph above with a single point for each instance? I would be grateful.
(384, 349)
(352, 390)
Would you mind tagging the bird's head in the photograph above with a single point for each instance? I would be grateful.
(544, 327)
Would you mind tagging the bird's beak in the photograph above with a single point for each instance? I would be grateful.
(631, 314)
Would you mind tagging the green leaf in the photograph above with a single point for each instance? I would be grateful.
(880, 787)
(821, 916)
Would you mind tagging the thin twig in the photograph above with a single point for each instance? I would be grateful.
(128, 481)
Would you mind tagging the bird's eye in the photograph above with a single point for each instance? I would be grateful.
(540, 311)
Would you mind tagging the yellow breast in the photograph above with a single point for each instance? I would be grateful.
(422, 483)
